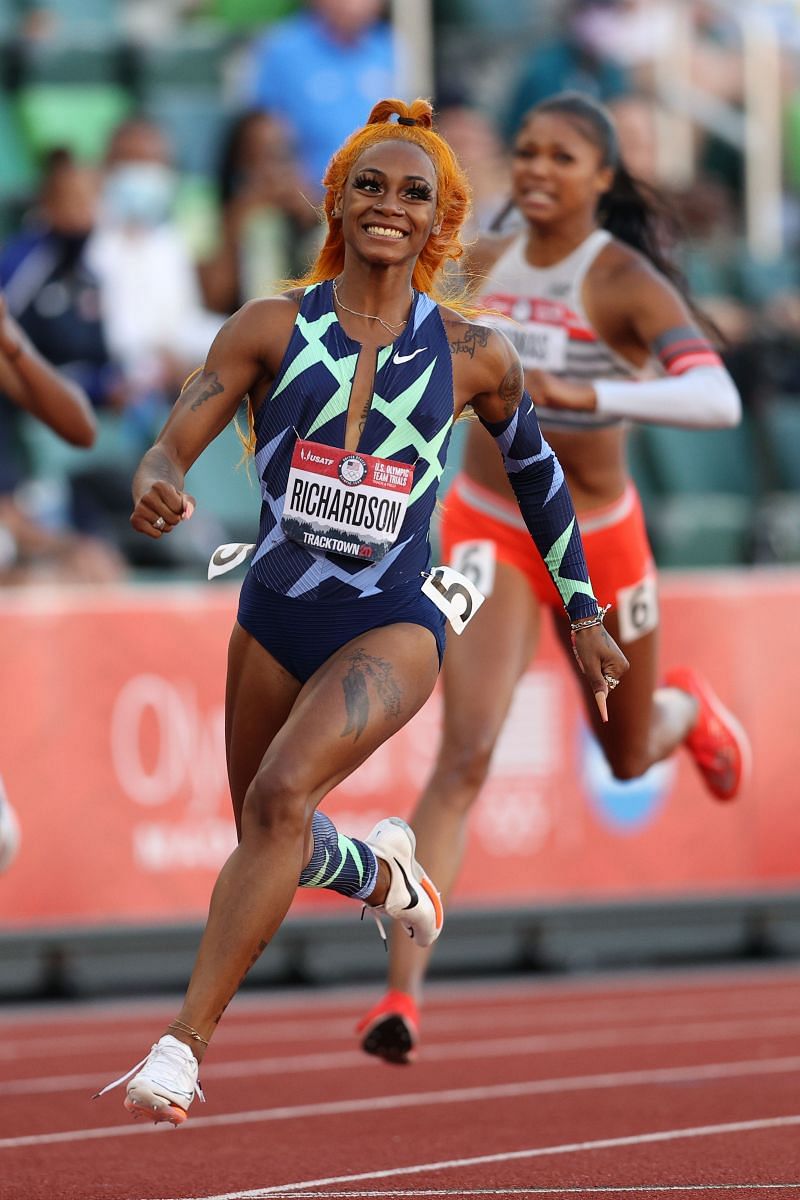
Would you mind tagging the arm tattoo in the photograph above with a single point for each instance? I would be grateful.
(213, 387)
(473, 337)
(364, 667)
(510, 390)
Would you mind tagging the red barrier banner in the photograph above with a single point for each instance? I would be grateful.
(112, 752)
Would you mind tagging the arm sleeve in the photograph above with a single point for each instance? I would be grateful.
(704, 397)
(538, 482)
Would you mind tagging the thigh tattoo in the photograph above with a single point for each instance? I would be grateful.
(363, 668)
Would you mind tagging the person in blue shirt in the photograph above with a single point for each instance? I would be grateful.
(571, 60)
(320, 69)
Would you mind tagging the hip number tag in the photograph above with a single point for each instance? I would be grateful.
(454, 595)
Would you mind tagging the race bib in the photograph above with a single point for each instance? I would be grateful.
(637, 609)
(454, 594)
(345, 502)
(226, 557)
(542, 347)
(476, 560)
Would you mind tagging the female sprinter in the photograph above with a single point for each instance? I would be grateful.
(354, 380)
(605, 335)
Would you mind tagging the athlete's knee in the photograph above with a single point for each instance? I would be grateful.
(627, 761)
(277, 802)
(463, 767)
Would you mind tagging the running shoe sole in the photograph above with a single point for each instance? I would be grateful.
(170, 1113)
(390, 1039)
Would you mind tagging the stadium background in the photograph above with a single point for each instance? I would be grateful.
(111, 728)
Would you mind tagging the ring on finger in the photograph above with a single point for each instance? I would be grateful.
(159, 523)
(611, 681)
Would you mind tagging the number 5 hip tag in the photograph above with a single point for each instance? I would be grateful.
(454, 594)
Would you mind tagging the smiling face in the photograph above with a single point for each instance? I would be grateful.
(557, 171)
(388, 207)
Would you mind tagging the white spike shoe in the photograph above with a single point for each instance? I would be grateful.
(412, 898)
(164, 1085)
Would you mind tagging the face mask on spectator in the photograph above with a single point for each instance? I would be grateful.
(139, 193)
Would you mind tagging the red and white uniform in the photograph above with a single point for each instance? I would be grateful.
(541, 312)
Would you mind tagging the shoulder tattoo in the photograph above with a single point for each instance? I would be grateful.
(469, 339)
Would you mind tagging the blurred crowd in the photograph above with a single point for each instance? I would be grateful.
(131, 230)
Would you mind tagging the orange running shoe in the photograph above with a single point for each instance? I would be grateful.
(717, 743)
(390, 1030)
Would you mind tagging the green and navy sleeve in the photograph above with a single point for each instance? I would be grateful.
(544, 500)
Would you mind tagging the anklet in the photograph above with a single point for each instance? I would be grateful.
(184, 1028)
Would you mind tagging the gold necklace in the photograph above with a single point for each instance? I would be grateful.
(370, 316)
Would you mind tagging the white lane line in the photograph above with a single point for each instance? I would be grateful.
(537, 1044)
(341, 1028)
(711, 986)
(471, 1095)
(639, 1139)
(457, 1194)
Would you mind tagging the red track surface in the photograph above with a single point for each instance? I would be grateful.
(655, 1085)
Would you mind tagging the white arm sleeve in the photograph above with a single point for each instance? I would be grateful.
(703, 397)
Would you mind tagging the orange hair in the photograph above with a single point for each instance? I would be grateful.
(453, 195)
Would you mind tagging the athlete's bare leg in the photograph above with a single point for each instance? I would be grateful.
(645, 722)
(308, 740)
(480, 675)
(481, 670)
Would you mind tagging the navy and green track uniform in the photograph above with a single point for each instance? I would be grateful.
(410, 420)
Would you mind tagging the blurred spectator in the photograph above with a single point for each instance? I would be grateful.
(755, 304)
(481, 153)
(696, 41)
(576, 59)
(152, 309)
(31, 549)
(268, 226)
(322, 70)
(50, 287)
(634, 116)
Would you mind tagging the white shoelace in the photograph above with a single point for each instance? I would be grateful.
(162, 1050)
(373, 912)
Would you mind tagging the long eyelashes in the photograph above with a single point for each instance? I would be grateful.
(416, 191)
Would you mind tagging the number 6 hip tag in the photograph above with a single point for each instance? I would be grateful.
(454, 594)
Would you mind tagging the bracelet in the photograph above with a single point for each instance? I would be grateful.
(588, 622)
